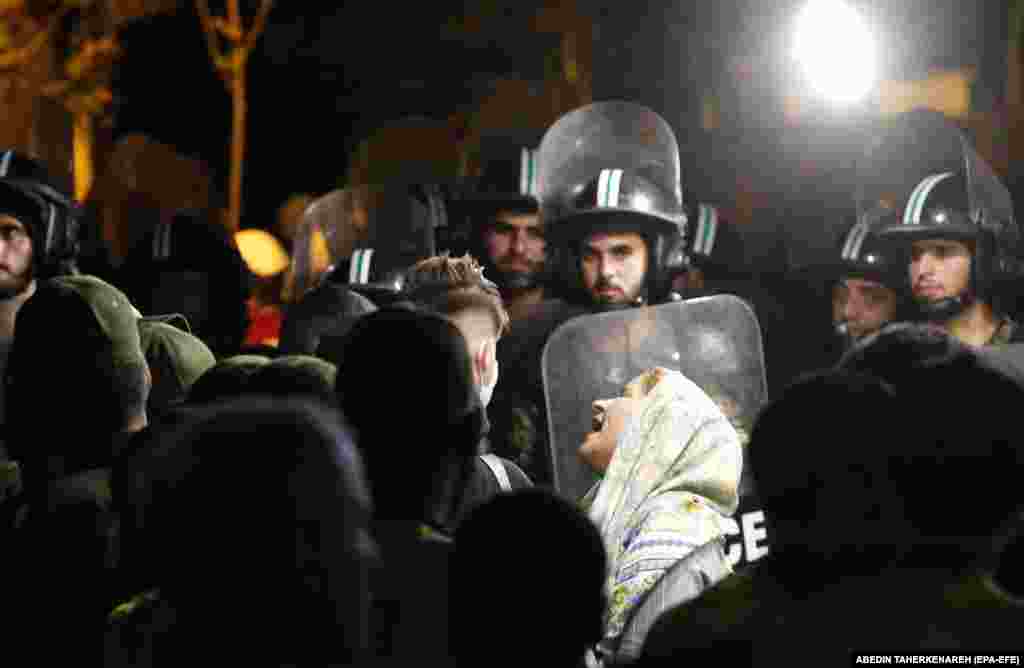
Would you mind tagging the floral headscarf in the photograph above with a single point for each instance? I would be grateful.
(671, 487)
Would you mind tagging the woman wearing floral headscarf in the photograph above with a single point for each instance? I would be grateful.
(671, 462)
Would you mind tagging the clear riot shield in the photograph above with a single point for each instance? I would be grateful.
(366, 235)
(714, 341)
(330, 229)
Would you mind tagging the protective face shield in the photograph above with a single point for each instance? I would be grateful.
(714, 341)
(612, 167)
(330, 229)
(366, 237)
(940, 188)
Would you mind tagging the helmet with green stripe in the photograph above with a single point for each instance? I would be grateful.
(939, 207)
(507, 174)
(612, 167)
(864, 253)
(714, 244)
(366, 237)
(506, 185)
(927, 172)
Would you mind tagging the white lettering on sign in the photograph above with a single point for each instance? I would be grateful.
(753, 543)
(753, 532)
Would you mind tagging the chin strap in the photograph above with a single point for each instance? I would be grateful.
(603, 308)
(846, 339)
(944, 309)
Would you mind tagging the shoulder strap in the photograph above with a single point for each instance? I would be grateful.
(498, 469)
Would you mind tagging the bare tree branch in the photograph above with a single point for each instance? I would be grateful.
(258, 25)
(21, 56)
(210, 31)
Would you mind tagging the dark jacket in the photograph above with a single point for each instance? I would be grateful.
(484, 485)
(517, 412)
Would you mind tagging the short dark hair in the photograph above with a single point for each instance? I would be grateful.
(450, 286)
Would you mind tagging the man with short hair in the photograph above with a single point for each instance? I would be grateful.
(457, 289)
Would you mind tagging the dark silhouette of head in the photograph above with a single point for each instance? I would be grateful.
(821, 455)
(958, 408)
(490, 550)
(406, 384)
(264, 538)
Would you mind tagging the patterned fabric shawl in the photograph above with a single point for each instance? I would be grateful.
(671, 487)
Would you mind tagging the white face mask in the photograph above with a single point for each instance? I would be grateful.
(487, 389)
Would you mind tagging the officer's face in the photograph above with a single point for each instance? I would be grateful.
(515, 245)
(939, 268)
(863, 305)
(15, 257)
(614, 267)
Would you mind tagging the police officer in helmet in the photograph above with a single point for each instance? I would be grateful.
(960, 253)
(612, 205)
(39, 226)
(612, 211)
(952, 216)
(504, 229)
(30, 196)
(868, 283)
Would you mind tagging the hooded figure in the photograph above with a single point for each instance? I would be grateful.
(176, 360)
(670, 486)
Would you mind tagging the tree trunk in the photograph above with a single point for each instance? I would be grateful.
(238, 116)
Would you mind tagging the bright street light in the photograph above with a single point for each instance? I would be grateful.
(835, 49)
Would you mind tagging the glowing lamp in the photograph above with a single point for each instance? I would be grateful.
(262, 252)
(836, 51)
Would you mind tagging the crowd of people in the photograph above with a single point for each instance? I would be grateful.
(546, 437)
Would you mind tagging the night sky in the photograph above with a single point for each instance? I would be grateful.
(320, 82)
(317, 85)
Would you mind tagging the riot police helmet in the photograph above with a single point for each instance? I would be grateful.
(612, 167)
(30, 194)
